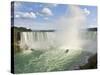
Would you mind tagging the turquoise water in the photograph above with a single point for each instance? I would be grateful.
(51, 60)
(54, 59)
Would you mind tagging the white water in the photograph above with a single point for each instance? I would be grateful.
(54, 44)
(36, 40)
(67, 36)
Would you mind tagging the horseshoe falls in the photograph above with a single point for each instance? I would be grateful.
(36, 40)
(41, 52)
(66, 48)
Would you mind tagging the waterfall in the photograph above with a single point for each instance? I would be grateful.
(36, 40)
(68, 36)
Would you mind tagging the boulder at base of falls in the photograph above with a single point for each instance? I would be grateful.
(92, 63)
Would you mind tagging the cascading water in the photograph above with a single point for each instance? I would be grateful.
(49, 52)
(36, 40)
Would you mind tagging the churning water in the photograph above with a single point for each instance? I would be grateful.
(65, 49)
(41, 54)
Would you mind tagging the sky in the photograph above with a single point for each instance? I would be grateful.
(45, 15)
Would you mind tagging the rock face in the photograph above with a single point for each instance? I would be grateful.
(92, 63)
(92, 29)
(15, 37)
